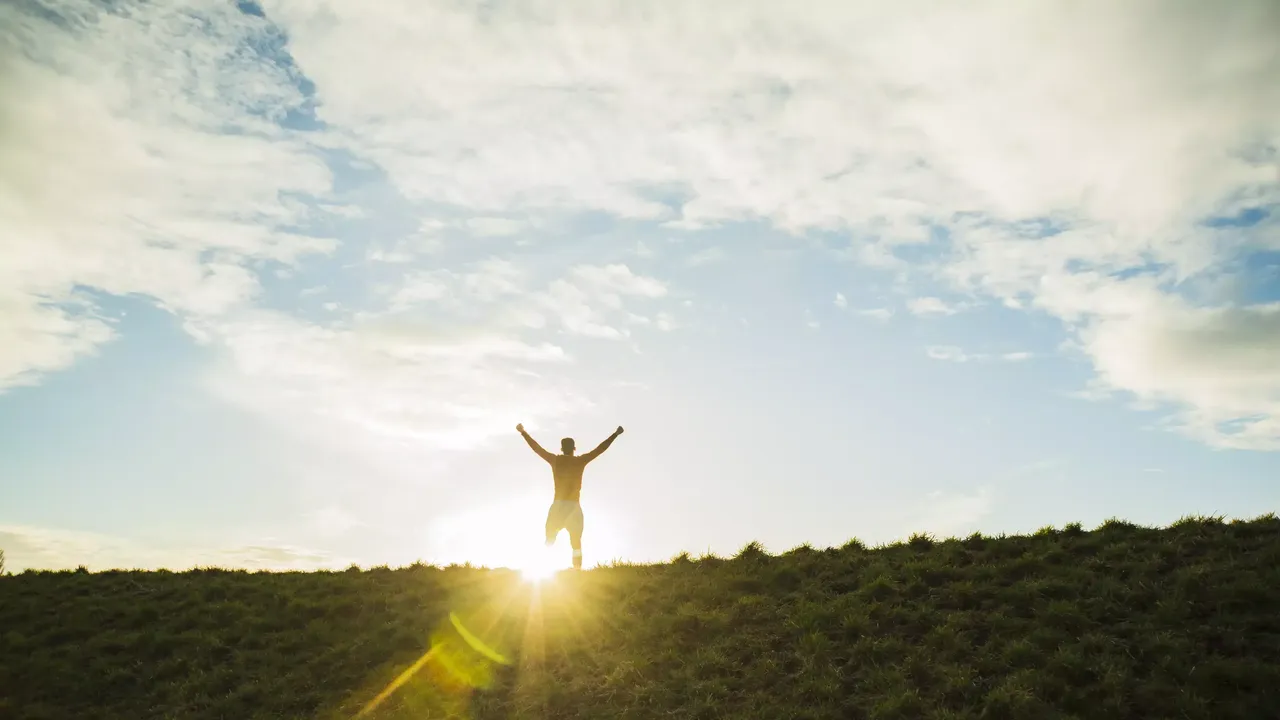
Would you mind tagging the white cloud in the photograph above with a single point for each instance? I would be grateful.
(485, 282)
(420, 287)
(863, 116)
(1218, 367)
(271, 557)
(840, 301)
(618, 280)
(1213, 366)
(930, 306)
(138, 157)
(584, 299)
(820, 122)
(880, 314)
(36, 338)
(955, 354)
(387, 380)
(495, 278)
(948, 352)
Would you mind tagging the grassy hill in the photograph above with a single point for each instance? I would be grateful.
(1119, 622)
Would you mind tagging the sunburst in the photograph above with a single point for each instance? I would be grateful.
(542, 565)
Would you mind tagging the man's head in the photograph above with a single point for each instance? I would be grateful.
(566, 446)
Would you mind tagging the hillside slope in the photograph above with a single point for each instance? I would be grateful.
(1120, 622)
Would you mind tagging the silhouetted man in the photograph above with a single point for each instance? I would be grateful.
(566, 511)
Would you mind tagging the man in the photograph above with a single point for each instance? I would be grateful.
(566, 468)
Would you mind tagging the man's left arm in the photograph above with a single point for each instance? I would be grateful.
(603, 446)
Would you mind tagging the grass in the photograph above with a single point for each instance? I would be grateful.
(1119, 622)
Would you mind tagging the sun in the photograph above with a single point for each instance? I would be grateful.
(541, 565)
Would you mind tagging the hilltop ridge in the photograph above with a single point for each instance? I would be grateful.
(1117, 622)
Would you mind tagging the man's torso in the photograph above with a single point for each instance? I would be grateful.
(567, 470)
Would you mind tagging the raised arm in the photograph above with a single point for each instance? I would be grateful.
(603, 446)
(542, 453)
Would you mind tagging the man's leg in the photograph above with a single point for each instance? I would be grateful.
(555, 521)
(574, 524)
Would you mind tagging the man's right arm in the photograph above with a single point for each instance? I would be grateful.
(542, 453)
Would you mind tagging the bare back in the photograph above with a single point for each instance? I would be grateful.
(567, 470)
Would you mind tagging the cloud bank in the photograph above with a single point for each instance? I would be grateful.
(58, 549)
(1109, 165)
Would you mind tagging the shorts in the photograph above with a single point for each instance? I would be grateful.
(565, 515)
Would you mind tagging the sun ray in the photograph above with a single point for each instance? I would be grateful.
(532, 653)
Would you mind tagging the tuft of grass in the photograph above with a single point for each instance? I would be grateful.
(920, 541)
(1117, 622)
(800, 550)
(854, 545)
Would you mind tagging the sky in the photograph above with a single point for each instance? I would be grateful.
(278, 280)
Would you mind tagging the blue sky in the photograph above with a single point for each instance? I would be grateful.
(280, 281)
